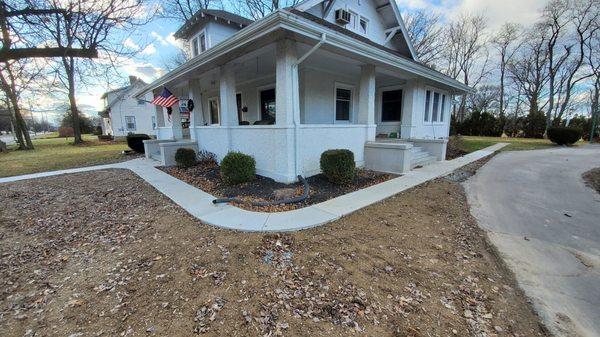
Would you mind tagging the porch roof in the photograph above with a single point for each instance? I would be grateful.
(285, 19)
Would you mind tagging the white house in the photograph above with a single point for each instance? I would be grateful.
(320, 75)
(124, 113)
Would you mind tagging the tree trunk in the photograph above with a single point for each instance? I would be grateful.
(70, 71)
(21, 133)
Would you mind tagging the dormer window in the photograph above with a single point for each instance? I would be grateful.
(363, 25)
(199, 44)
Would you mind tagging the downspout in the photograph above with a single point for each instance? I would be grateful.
(296, 100)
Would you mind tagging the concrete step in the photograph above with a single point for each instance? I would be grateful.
(422, 162)
(420, 157)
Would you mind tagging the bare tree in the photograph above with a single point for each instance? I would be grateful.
(465, 54)
(555, 18)
(16, 22)
(16, 78)
(585, 19)
(103, 24)
(529, 69)
(257, 9)
(506, 42)
(183, 10)
(426, 33)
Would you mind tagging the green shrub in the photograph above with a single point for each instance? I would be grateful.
(338, 166)
(136, 142)
(237, 168)
(564, 135)
(185, 157)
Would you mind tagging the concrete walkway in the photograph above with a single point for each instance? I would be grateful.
(199, 203)
(545, 223)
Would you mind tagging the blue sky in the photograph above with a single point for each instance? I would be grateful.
(159, 44)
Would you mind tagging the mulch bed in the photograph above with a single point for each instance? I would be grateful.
(207, 177)
(592, 179)
(454, 149)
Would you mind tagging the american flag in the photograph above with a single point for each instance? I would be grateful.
(165, 99)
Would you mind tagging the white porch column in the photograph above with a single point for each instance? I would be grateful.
(229, 115)
(286, 82)
(286, 105)
(160, 116)
(176, 122)
(414, 105)
(366, 100)
(196, 116)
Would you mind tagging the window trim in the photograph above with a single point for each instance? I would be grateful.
(345, 86)
(216, 99)
(197, 38)
(127, 124)
(441, 120)
(362, 18)
(380, 103)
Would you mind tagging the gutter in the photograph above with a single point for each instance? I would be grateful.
(296, 100)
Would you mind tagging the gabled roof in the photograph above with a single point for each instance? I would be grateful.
(188, 26)
(382, 4)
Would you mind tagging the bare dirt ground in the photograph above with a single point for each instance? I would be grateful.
(104, 254)
(592, 179)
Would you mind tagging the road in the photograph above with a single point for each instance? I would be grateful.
(545, 223)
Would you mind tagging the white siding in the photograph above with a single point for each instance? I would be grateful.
(128, 106)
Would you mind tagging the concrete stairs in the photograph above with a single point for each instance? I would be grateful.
(420, 157)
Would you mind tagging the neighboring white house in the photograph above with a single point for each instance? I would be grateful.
(320, 75)
(124, 113)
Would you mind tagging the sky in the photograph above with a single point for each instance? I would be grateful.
(156, 43)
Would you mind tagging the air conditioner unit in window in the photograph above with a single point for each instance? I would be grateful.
(342, 16)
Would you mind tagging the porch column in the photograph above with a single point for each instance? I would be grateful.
(229, 115)
(176, 122)
(413, 108)
(286, 106)
(160, 116)
(196, 116)
(366, 100)
(286, 82)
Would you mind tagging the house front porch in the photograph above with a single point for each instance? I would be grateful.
(289, 100)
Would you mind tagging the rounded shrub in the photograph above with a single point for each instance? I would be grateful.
(338, 166)
(135, 141)
(564, 135)
(237, 168)
(185, 157)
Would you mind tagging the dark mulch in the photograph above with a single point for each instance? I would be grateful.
(592, 179)
(207, 177)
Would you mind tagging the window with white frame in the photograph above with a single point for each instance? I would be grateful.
(213, 110)
(130, 123)
(199, 44)
(343, 103)
(363, 25)
(435, 107)
(153, 122)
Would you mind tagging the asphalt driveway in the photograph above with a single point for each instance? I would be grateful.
(545, 223)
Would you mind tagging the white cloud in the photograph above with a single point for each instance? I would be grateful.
(129, 43)
(167, 40)
(149, 50)
(497, 12)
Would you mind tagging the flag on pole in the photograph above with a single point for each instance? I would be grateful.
(165, 99)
